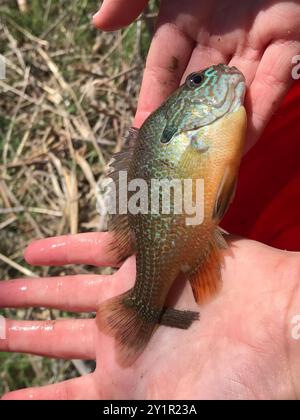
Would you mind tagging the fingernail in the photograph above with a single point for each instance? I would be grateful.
(2, 328)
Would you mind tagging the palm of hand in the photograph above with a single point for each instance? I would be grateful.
(237, 350)
(240, 348)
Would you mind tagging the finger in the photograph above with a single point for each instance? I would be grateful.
(118, 13)
(247, 61)
(69, 293)
(203, 56)
(84, 248)
(83, 388)
(271, 82)
(168, 57)
(63, 339)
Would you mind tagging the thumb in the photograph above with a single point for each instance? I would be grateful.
(115, 14)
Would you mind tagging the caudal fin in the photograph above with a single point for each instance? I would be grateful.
(125, 324)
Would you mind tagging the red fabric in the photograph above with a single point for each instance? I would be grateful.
(267, 202)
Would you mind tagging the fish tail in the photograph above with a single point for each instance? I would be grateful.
(117, 318)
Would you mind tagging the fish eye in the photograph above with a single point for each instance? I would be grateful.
(194, 80)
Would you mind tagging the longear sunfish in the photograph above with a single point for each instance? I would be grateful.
(197, 134)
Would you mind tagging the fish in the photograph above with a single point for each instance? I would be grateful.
(197, 134)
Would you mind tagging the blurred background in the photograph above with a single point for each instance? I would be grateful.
(66, 103)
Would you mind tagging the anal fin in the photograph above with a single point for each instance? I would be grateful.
(205, 279)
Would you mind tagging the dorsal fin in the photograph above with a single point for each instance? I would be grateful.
(121, 160)
(131, 137)
(123, 238)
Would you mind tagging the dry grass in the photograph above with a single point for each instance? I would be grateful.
(65, 105)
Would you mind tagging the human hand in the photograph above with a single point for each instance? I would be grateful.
(242, 347)
(258, 37)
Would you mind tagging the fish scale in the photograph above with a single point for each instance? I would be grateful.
(196, 135)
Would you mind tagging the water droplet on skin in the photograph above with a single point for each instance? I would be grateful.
(95, 281)
(48, 328)
(58, 245)
(59, 286)
(23, 328)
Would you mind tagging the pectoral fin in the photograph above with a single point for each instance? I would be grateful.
(199, 144)
(225, 194)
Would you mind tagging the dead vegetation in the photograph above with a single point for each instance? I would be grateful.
(66, 102)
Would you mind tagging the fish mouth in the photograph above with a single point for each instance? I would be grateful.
(230, 70)
(237, 85)
(238, 94)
